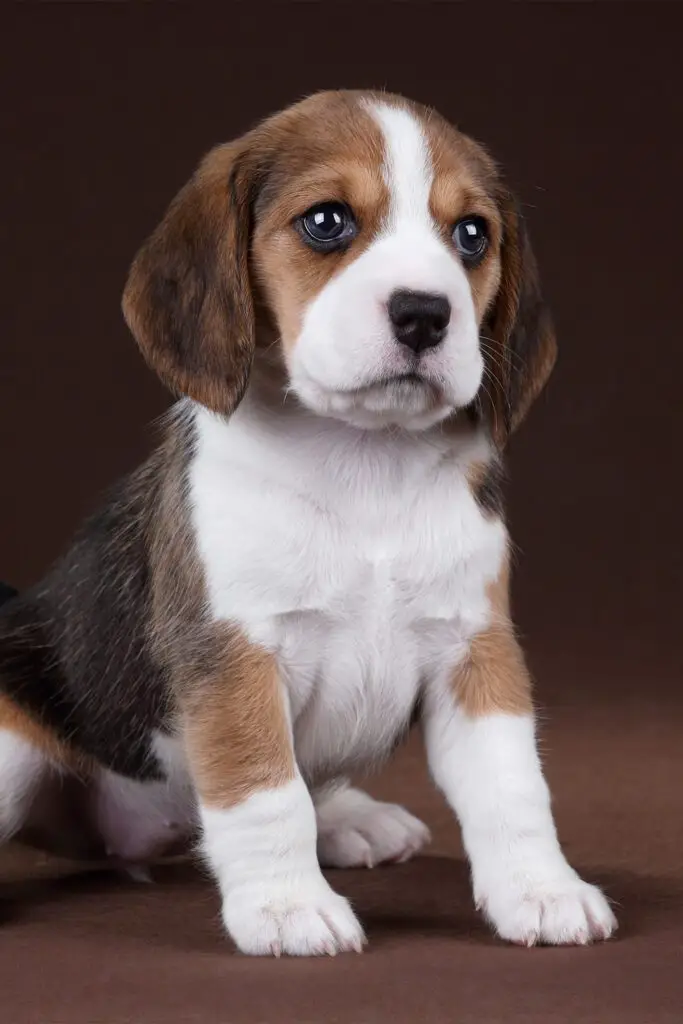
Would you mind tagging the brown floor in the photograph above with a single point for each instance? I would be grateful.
(86, 948)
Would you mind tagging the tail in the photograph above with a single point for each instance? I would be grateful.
(6, 592)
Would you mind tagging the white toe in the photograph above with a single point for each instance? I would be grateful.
(303, 918)
(356, 831)
(565, 912)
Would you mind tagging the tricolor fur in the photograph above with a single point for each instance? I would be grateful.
(316, 556)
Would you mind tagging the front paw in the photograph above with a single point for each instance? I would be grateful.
(562, 911)
(295, 917)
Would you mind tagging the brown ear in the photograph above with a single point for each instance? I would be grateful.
(522, 348)
(188, 300)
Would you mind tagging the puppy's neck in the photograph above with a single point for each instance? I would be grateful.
(276, 438)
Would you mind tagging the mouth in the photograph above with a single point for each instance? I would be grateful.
(409, 393)
(397, 380)
(406, 399)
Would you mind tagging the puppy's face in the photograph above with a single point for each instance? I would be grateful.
(389, 257)
(377, 247)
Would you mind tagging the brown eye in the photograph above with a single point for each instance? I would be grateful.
(471, 238)
(327, 226)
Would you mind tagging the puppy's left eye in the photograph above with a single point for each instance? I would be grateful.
(471, 239)
(327, 226)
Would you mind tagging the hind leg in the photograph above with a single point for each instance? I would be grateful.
(141, 821)
(42, 786)
(22, 767)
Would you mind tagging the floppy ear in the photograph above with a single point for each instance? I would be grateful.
(519, 327)
(188, 299)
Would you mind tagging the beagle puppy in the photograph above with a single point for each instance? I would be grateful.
(346, 304)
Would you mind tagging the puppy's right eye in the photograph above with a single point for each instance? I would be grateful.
(327, 226)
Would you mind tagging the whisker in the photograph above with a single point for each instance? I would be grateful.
(494, 378)
(492, 405)
(495, 381)
(500, 349)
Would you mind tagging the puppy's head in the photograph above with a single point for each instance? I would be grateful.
(384, 250)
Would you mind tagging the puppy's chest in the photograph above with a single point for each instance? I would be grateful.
(362, 601)
(354, 663)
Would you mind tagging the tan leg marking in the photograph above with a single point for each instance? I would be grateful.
(236, 728)
(18, 721)
(494, 677)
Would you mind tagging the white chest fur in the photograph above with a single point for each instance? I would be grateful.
(360, 559)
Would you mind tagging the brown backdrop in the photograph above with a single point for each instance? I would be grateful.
(106, 108)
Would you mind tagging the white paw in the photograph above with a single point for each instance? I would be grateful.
(356, 831)
(292, 918)
(565, 912)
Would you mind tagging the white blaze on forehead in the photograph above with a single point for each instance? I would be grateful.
(408, 169)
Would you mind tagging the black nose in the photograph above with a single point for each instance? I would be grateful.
(419, 319)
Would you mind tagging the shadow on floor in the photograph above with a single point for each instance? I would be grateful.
(429, 896)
